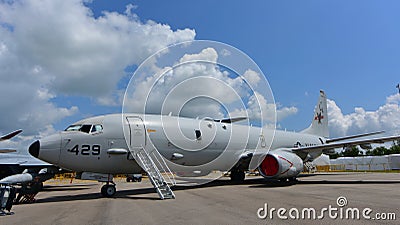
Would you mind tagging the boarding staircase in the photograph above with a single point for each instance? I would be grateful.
(160, 183)
(309, 167)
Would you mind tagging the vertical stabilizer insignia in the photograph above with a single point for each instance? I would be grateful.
(319, 124)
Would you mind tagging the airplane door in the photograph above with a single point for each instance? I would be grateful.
(137, 132)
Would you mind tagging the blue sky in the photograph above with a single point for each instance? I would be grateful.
(66, 60)
(350, 49)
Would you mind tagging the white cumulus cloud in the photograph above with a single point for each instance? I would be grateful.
(386, 117)
(53, 48)
(194, 85)
(191, 76)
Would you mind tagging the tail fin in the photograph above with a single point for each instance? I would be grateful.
(319, 125)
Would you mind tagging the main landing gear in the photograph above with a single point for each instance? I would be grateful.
(237, 176)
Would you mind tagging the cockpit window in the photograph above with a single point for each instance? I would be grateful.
(87, 128)
(97, 128)
(73, 128)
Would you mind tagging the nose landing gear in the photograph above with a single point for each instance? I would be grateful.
(108, 190)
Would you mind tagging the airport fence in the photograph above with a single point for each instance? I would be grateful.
(384, 167)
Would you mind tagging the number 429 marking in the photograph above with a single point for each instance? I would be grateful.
(86, 150)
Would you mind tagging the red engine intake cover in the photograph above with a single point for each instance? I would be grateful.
(269, 166)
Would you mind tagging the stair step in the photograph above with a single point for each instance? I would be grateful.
(156, 178)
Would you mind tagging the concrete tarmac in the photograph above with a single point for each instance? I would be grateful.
(219, 202)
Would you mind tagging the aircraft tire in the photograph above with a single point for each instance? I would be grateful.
(108, 190)
(238, 176)
(40, 186)
(103, 190)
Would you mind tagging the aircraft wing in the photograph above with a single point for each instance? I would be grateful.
(7, 137)
(7, 150)
(21, 160)
(353, 136)
(10, 135)
(345, 144)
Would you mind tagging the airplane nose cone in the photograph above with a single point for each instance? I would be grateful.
(47, 149)
(34, 149)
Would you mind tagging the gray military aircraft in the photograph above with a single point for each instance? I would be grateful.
(12, 163)
(22, 169)
(100, 146)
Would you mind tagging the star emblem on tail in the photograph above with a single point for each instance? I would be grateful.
(319, 115)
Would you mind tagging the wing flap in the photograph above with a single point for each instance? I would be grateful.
(231, 120)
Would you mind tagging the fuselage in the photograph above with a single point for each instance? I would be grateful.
(103, 144)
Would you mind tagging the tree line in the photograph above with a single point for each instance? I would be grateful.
(354, 151)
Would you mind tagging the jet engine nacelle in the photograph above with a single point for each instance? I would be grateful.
(281, 164)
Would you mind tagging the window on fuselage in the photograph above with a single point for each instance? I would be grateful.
(198, 134)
